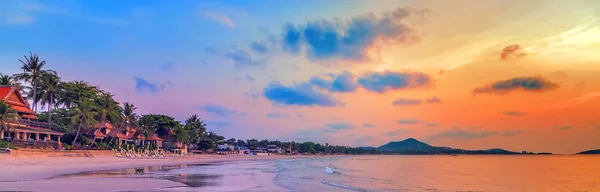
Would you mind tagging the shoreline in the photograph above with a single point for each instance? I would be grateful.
(43, 173)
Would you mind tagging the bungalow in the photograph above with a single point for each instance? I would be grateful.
(273, 149)
(26, 130)
(225, 147)
(124, 136)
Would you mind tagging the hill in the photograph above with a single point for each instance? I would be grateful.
(413, 146)
(409, 144)
(589, 152)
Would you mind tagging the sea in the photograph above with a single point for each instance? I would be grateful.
(431, 173)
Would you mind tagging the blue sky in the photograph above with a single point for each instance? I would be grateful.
(345, 72)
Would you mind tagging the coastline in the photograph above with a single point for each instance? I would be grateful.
(39, 173)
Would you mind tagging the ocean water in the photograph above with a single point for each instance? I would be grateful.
(557, 173)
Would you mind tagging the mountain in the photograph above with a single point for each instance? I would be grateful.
(597, 151)
(409, 144)
(413, 146)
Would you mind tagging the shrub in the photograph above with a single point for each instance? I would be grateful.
(5, 144)
(101, 145)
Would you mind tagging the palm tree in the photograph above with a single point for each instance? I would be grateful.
(180, 135)
(108, 109)
(32, 70)
(7, 115)
(128, 118)
(85, 114)
(195, 127)
(5, 79)
(51, 91)
(147, 127)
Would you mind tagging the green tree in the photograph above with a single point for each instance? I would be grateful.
(180, 135)
(51, 91)
(7, 116)
(108, 110)
(128, 118)
(6, 79)
(32, 70)
(85, 116)
(147, 126)
(195, 127)
(76, 91)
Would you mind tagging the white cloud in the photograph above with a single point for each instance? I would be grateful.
(222, 19)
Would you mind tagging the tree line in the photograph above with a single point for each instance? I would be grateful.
(74, 107)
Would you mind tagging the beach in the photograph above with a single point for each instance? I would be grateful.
(38, 173)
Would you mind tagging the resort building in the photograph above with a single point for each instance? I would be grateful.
(26, 130)
(273, 149)
(123, 137)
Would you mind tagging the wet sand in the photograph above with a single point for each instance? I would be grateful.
(48, 173)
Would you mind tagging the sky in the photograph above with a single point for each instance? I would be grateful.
(518, 75)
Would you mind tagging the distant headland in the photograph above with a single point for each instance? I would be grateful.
(412, 146)
(590, 152)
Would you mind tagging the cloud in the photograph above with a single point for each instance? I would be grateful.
(386, 81)
(584, 98)
(318, 132)
(259, 47)
(339, 125)
(396, 132)
(580, 84)
(276, 115)
(514, 113)
(218, 124)
(403, 101)
(510, 133)
(343, 82)
(26, 12)
(219, 18)
(464, 134)
(250, 78)
(219, 110)
(431, 124)
(564, 128)
(349, 39)
(252, 94)
(324, 131)
(433, 99)
(142, 85)
(298, 94)
(409, 121)
(242, 58)
(300, 115)
(531, 84)
(512, 51)
(369, 125)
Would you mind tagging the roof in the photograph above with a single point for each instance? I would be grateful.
(28, 116)
(154, 138)
(106, 125)
(10, 93)
(39, 130)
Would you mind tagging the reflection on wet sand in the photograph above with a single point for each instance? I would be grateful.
(157, 172)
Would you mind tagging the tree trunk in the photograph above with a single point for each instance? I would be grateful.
(95, 135)
(34, 94)
(76, 135)
(118, 130)
(50, 112)
(96, 129)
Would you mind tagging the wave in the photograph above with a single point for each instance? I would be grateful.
(342, 186)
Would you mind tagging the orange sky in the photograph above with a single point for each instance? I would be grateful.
(179, 57)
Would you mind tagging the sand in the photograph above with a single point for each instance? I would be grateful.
(36, 173)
